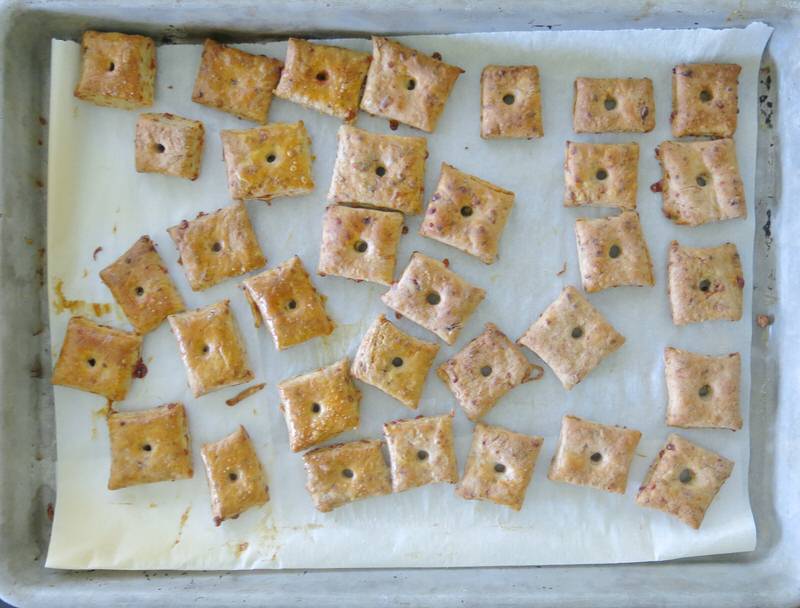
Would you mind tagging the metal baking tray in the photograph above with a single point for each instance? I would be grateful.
(769, 576)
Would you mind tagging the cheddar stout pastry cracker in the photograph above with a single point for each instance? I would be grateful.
(394, 361)
(467, 213)
(683, 480)
(485, 370)
(572, 337)
(211, 348)
(117, 70)
(289, 303)
(148, 446)
(236, 478)
(142, 287)
(593, 454)
(328, 79)
(511, 102)
(612, 252)
(217, 246)
(406, 85)
(319, 405)
(705, 99)
(421, 451)
(345, 472)
(614, 105)
(382, 171)
(601, 175)
(499, 466)
(703, 390)
(433, 296)
(236, 82)
(701, 181)
(97, 359)
(705, 284)
(270, 161)
(169, 144)
(360, 244)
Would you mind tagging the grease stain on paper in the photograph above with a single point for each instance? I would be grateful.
(182, 523)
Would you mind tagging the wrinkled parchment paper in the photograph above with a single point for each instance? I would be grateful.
(96, 199)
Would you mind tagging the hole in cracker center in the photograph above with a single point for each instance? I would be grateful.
(360, 246)
(433, 298)
(596, 457)
(500, 467)
(610, 103)
(411, 84)
(706, 96)
(347, 473)
(380, 170)
(508, 99)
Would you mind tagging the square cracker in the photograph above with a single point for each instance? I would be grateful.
(511, 102)
(572, 337)
(217, 246)
(270, 161)
(703, 391)
(346, 472)
(614, 105)
(236, 479)
(421, 451)
(236, 82)
(169, 144)
(485, 370)
(289, 303)
(328, 79)
(705, 284)
(406, 85)
(701, 181)
(394, 362)
(360, 244)
(141, 285)
(593, 454)
(705, 99)
(601, 175)
(683, 480)
(433, 296)
(211, 348)
(383, 171)
(612, 252)
(148, 446)
(117, 70)
(97, 359)
(467, 213)
(319, 405)
(499, 466)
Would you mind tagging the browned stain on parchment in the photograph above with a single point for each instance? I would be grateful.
(77, 307)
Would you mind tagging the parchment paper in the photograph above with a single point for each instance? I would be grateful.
(96, 199)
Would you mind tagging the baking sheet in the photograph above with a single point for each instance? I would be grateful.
(97, 200)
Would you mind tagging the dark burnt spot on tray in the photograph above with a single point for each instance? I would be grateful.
(140, 369)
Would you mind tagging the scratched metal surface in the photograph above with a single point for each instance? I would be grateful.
(769, 576)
